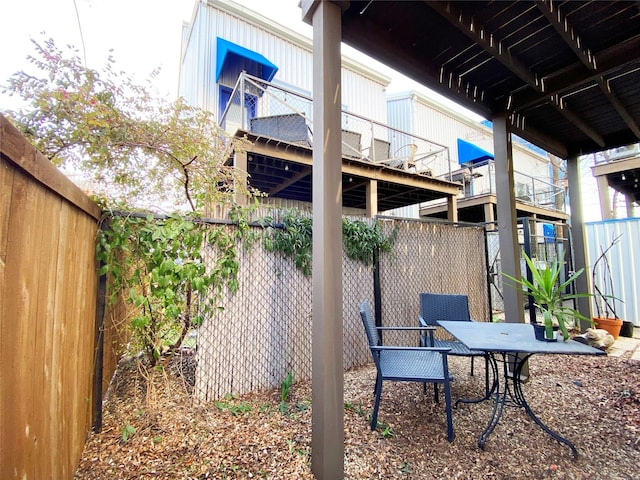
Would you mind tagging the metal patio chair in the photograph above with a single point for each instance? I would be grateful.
(406, 364)
(445, 306)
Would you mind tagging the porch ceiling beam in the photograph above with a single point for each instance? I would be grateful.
(518, 125)
(588, 130)
(347, 186)
(559, 22)
(576, 75)
(620, 108)
(485, 40)
(294, 179)
(562, 26)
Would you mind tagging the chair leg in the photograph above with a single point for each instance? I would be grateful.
(472, 366)
(447, 404)
(374, 415)
(435, 393)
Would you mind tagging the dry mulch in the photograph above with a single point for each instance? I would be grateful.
(592, 401)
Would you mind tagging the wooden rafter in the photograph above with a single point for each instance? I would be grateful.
(561, 25)
(576, 76)
(295, 178)
(620, 108)
(491, 45)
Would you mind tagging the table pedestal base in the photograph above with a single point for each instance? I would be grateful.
(509, 390)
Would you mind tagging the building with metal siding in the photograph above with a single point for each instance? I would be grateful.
(209, 74)
(415, 112)
(289, 51)
(625, 272)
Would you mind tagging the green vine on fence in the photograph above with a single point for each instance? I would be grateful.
(172, 271)
(359, 239)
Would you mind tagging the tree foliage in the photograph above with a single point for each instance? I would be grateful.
(137, 151)
(360, 239)
(132, 147)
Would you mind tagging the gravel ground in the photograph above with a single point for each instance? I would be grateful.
(592, 401)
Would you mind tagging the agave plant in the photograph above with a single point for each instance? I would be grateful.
(549, 295)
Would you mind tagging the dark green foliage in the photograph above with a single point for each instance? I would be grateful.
(359, 239)
(160, 266)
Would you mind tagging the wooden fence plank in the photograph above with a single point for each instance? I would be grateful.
(47, 314)
(24, 155)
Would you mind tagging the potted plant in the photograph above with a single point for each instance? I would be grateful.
(605, 302)
(549, 295)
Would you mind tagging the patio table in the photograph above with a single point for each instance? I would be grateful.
(511, 344)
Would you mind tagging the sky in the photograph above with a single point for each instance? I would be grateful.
(143, 35)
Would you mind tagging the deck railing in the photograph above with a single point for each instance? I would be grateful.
(270, 110)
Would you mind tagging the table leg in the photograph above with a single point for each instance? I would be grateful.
(488, 391)
(499, 393)
(521, 401)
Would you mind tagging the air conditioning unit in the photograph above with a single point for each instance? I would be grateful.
(625, 151)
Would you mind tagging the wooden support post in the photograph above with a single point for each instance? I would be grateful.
(327, 442)
(583, 282)
(372, 198)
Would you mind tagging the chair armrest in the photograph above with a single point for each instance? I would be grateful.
(426, 327)
(411, 349)
(430, 329)
(424, 323)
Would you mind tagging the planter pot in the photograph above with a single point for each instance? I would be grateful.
(540, 333)
(627, 329)
(611, 325)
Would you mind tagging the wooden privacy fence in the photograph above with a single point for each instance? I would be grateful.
(48, 286)
(264, 332)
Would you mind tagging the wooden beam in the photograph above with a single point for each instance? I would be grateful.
(560, 23)
(294, 179)
(488, 43)
(620, 108)
(587, 129)
(576, 75)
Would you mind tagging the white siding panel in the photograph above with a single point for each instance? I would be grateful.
(413, 113)
(624, 260)
(410, 211)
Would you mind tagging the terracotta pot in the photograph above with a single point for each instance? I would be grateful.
(611, 325)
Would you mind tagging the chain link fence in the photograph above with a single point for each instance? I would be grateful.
(542, 240)
(264, 332)
(430, 256)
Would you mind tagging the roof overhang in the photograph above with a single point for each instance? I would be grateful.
(471, 155)
(228, 53)
(566, 74)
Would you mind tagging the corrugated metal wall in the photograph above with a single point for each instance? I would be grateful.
(363, 90)
(624, 260)
(415, 113)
